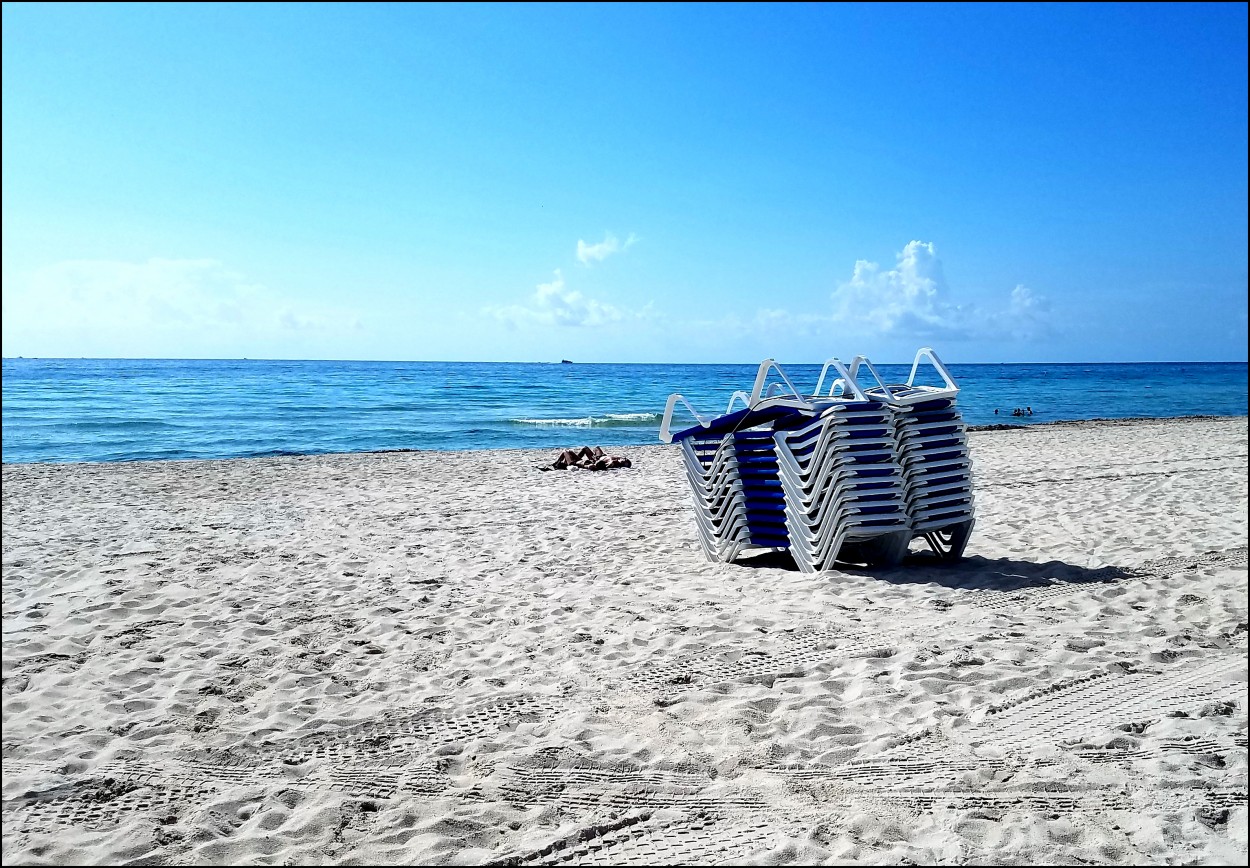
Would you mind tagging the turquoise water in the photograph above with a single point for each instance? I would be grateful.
(114, 410)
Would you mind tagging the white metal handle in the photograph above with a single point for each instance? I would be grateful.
(773, 396)
(665, 436)
(937, 365)
(863, 360)
(845, 380)
(738, 396)
(762, 375)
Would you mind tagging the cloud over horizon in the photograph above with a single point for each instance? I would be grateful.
(588, 253)
(913, 300)
(178, 302)
(910, 301)
(554, 304)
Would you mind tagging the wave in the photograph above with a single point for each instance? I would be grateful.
(109, 424)
(609, 420)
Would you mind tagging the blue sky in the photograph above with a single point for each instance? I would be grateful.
(626, 183)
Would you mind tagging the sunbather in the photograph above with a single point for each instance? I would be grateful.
(580, 458)
(587, 459)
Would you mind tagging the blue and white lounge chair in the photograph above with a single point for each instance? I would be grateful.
(933, 451)
(842, 481)
(817, 474)
(731, 465)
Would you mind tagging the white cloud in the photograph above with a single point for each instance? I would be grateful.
(912, 300)
(191, 305)
(1028, 316)
(588, 253)
(554, 304)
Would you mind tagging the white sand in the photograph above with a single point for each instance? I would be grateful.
(433, 657)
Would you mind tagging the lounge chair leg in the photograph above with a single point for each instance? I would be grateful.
(949, 542)
(889, 550)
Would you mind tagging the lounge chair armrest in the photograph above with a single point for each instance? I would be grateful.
(927, 352)
(854, 372)
(845, 379)
(739, 395)
(758, 389)
(665, 436)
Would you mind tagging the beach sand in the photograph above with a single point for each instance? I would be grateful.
(455, 658)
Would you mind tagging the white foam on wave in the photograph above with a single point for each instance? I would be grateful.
(609, 420)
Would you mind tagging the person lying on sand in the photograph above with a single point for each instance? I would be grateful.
(587, 459)
(569, 458)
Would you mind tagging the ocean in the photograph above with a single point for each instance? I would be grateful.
(58, 410)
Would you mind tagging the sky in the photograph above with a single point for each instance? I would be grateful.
(625, 183)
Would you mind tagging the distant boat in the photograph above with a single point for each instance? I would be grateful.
(565, 362)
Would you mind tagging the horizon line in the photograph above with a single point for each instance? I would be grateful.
(564, 361)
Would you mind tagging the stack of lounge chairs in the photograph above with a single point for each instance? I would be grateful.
(933, 449)
(853, 475)
(731, 465)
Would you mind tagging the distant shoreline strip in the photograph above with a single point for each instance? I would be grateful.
(1099, 421)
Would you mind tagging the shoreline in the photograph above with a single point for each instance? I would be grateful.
(1101, 422)
(575, 442)
(455, 658)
